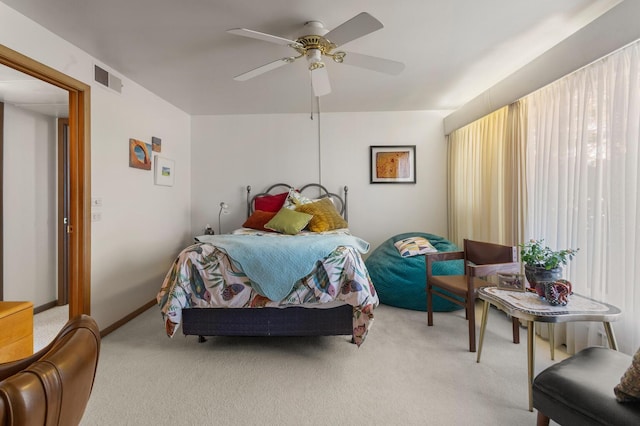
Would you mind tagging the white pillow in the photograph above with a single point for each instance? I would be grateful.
(414, 246)
(295, 198)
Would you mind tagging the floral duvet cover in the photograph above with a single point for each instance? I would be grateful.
(204, 276)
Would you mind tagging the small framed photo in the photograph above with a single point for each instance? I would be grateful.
(393, 164)
(164, 171)
(513, 282)
(156, 144)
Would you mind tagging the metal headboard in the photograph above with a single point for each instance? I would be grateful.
(340, 202)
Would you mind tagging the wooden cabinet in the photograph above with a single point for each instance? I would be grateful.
(16, 330)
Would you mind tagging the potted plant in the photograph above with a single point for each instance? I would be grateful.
(543, 265)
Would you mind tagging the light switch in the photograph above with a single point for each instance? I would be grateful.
(96, 201)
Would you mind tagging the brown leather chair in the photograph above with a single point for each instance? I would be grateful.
(52, 387)
(480, 259)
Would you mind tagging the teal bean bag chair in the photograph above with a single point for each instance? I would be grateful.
(401, 281)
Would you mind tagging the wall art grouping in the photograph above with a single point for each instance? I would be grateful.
(140, 157)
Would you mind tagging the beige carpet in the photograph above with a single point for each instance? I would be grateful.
(404, 374)
(47, 324)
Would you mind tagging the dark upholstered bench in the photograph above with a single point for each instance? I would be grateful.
(579, 390)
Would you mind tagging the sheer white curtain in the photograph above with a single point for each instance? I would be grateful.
(583, 185)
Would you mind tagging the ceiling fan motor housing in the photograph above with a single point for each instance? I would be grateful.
(309, 42)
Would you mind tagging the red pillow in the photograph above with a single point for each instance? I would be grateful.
(270, 203)
(258, 219)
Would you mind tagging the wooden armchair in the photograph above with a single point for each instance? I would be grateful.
(52, 386)
(481, 260)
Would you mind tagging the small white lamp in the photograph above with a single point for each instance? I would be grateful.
(223, 208)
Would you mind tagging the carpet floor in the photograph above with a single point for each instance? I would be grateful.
(405, 373)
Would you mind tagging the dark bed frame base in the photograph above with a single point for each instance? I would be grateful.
(292, 321)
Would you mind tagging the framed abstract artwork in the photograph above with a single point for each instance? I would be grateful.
(393, 164)
(164, 172)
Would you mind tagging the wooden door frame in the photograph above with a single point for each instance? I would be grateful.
(1, 200)
(63, 260)
(79, 174)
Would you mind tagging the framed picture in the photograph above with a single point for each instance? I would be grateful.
(393, 164)
(513, 282)
(164, 171)
(139, 154)
(156, 144)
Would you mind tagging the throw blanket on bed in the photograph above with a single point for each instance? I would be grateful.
(275, 263)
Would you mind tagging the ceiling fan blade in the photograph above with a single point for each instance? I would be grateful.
(356, 27)
(373, 63)
(320, 81)
(264, 37)
(262, 69)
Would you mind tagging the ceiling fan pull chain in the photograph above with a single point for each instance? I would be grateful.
(311, 87)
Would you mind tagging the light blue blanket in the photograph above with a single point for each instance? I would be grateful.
(275, 263)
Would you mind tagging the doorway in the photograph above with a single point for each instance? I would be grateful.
(77, 230)
(63, 212)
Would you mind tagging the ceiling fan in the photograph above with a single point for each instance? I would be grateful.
(319, 43)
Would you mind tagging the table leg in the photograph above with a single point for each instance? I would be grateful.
(611, 338)
(483, 326)
(530, 360)
(552, 336)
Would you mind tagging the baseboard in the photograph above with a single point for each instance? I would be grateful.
(128, 318)
(44, 307)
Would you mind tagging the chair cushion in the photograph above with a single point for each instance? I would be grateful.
(401, 281)
(457, 284)
(579, 390)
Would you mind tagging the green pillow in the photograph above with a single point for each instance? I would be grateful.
(288, 221)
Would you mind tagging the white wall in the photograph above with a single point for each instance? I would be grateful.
(29, 209)
(143, 226)
(230, 152)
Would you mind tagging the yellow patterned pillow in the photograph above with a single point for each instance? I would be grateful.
(414, 246)
(325, 216)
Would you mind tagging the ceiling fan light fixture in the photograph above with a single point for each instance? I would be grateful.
(314, 57)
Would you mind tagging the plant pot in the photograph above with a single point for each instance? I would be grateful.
(537, 276)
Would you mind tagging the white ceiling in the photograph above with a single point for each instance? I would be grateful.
(179, 49)
(26, 92)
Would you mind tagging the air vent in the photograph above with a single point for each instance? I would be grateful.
(103, 77)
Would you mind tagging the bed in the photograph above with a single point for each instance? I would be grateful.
(293, 269)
